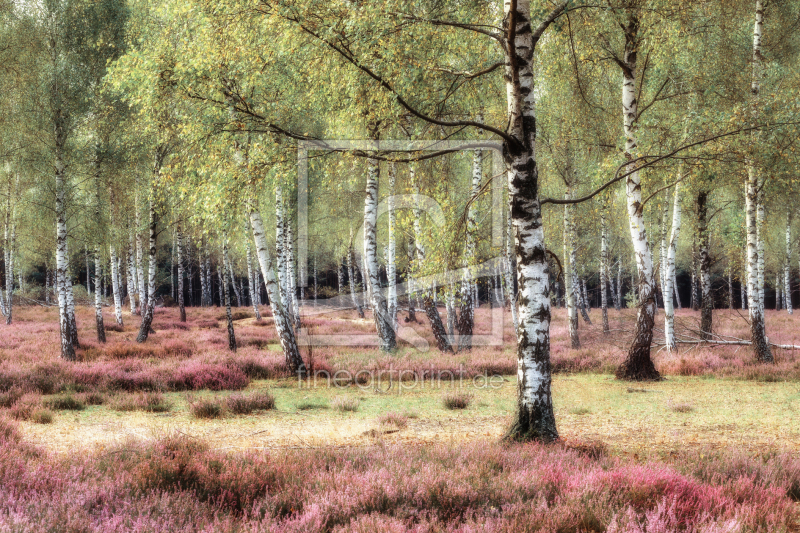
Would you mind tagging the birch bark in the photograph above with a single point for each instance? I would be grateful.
(252, 279)
(604, 268)
(391, 268)
(282, 321)
(98, 296)
(669, 275)
(638, 365)
(535, 418)
(569, 276)
(383, 323)
(755, 212)
(787, 272)
(147, 313)
(179, 260)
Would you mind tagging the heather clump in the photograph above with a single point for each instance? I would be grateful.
(244, 404)
(151, 402)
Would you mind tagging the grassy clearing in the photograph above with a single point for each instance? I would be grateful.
(679, 413)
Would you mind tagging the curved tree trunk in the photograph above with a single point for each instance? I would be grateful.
(282, 321)
(637, 365)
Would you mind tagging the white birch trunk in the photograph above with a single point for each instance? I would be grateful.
(282, 321)
(147, 313)
(132, 279)
(290, 278)
(509, 270)
(669, 275)
(787, 269)
(569, 274)
(604, 268)
(140, 283)
(383, 322)
(755, 211)
(535, 418)
(98, 296)
(252, 279)
(63, 282)
(391, 267)
(179, 260)
(638, 365)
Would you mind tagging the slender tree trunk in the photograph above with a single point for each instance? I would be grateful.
(226, 269)
(232, 279)
(787, 269)
(116, 288)
(62, 254)
(139, 252)
(695, 300)
(179, 260)
(569, 276)
(132, 279)
(669, 274)
(730, 290)
(707, 302)
(147, 314)
(88, 271)
(282, 320)
(412, 316)
(351, 278)
(221, 286)
(316, 291)
(535, 418)
(205, 289)
(584, 301)
(743, 288)
(618, 299)
(290, 277)
(9, 258)
(391, 250)
(604, 268)
(383, 322)
(252, 279)
(466, 321)
(98, 295)
(172, 268)
(638, 365)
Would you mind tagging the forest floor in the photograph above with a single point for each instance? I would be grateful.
(642, 419)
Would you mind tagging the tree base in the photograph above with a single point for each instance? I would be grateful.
(638, 369)
(528, 427)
